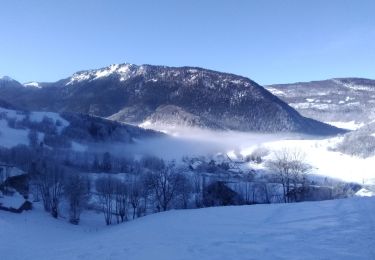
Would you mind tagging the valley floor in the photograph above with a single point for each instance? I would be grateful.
(339, 229)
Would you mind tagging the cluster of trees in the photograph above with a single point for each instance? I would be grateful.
(154, 185)
(159, 187)
(360, 142)
(116, 197)
(52, 183)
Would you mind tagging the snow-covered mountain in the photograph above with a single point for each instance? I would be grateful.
(347, 100)
(157, 95)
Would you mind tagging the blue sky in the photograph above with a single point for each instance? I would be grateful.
(268, 41)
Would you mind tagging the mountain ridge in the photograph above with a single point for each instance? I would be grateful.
(140, 93)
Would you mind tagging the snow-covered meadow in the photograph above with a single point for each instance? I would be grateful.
(337, 229)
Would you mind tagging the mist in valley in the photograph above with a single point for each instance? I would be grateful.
(194, 142)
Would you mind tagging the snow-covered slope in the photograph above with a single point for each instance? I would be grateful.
(15, 126)
(10, 135)
(327, 162)
(338, 229)
(32, 84)
(348, 100)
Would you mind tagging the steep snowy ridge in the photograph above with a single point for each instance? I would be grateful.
(123, 71)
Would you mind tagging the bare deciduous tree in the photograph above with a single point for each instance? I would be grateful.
(166, 184)
(135, 195)
(105, 186)
(77, 193)
(290, 169)
(121, 198)
(185, 190)
(49, 180)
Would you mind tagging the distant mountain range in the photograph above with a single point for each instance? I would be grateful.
(153, 96)
(341, 99)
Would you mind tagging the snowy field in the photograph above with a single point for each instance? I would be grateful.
(318, 151)
(10, 137)
(325, 162)
(338, 229)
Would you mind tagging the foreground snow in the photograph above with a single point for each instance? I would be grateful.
(340, 229)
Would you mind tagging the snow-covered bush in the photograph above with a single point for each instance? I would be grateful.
(257, 155)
